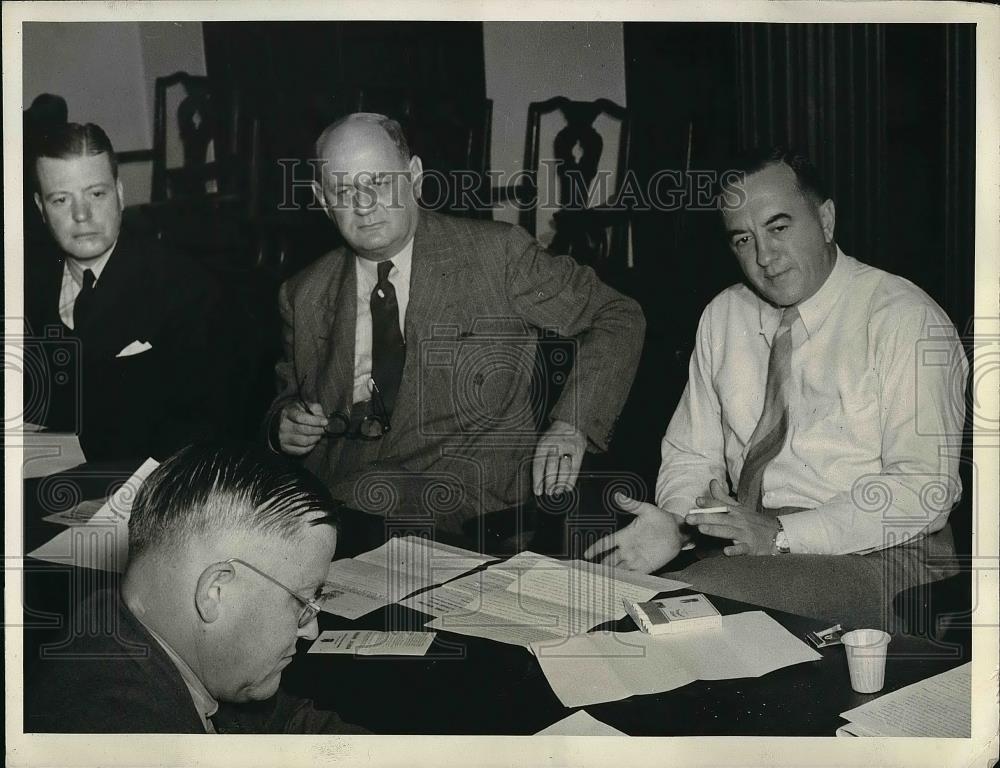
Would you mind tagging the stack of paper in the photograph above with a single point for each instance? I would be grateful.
(548, 600)
(940, 706)
(100, 543)
(389, 573)
(608, 666)
(468, 590)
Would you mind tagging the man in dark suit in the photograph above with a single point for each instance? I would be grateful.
(229, 548)
(125, 333)
(407, 376)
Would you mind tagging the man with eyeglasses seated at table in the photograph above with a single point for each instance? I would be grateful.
(406, 383)
(228, 553)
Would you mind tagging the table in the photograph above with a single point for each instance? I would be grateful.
(468, 685)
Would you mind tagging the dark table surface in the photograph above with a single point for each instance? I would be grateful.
(469, 685)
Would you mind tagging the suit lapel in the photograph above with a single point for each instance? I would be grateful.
(43, 290)
(436, 258)
(121, 280)
(334, 338)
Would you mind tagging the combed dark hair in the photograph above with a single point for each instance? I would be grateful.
(69, 140)
(211, 486)
(391, 127)
(757, 159)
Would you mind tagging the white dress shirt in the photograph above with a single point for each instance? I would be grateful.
(72, 283)
(876, 408)
(367, 272)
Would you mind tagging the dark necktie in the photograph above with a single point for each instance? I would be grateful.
(83, 307)
(388, 347)
(771, 430)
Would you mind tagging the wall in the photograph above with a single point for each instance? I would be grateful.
(533, 61)
(106, 72)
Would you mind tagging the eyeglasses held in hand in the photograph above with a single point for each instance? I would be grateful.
(373, 426)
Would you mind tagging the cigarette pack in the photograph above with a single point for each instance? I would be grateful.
(670, 615)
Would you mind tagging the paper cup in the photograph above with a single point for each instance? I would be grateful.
(866, 658)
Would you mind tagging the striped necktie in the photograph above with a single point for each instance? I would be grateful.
(771, 430)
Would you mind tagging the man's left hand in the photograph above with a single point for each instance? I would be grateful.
(751, 532)
(558, 457)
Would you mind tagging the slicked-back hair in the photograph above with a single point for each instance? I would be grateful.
(757, 159)
(391, 127)
(213, 487)
(69, 140)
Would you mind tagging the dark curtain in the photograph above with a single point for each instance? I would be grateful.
(297, 74)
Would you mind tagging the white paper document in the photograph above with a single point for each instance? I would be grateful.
(366, 642)
(608, 666)
(389, 573)
(46, 453)
(544, 599)
(468, 590)
(100, 543)
(580, 724)
(939, 707)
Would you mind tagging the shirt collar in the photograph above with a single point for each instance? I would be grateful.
(814, 310)
(76, 268)
(401, 262)
(204, 702)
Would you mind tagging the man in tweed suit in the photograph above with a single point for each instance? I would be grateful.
(408, 353)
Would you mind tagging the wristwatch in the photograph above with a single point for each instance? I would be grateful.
(780, 541)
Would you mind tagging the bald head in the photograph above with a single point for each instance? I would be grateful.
(365, 127)
(369, 184)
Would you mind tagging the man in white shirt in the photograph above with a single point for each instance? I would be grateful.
(810, 388)
(409, 353)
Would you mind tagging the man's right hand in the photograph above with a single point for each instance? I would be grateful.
(646, 544)
(300, 427)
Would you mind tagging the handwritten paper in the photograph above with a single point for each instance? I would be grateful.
(373, 642)
(580, 724)
(100, 543)
(939, 707)
(47, 453)
(608, 666)
(389, 573)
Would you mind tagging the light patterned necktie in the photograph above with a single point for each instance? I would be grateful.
(771, 430)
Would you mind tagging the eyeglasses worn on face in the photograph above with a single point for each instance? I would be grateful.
(310, 608)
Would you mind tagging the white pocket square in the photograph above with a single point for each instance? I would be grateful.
(135, 348)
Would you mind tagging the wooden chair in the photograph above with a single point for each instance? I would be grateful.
(593, 232)
(207, 117)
